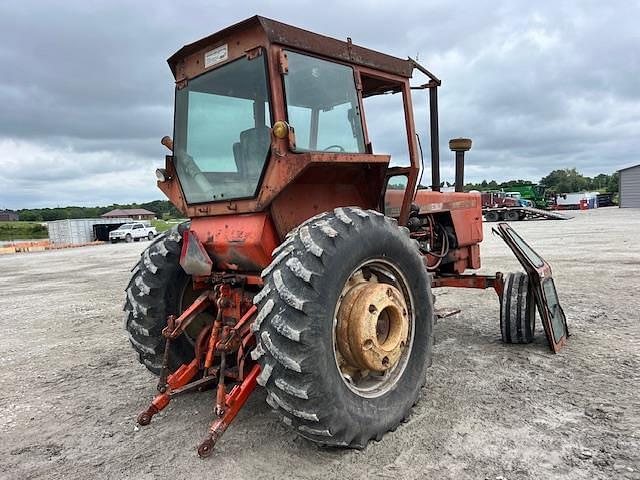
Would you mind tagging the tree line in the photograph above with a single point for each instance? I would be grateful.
(566, 180)
(558, 181)
(162, 209)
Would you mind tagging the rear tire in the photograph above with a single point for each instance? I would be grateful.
(154, 292)
(296, 327)
(150, 236)
(517, 309)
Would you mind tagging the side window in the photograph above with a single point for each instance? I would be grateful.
(322, 105)
(386, 127)
(136, 226)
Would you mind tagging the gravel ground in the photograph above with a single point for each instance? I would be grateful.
(71, 387)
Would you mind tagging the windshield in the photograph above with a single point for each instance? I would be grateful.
(222, 131)
(126, 226)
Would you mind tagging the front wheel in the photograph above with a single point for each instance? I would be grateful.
(128, 238)
(345, 327)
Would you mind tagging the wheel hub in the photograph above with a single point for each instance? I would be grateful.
(373, 327)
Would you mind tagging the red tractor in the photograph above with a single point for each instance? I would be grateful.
(308, 262)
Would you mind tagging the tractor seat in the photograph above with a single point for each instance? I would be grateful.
(250, 152)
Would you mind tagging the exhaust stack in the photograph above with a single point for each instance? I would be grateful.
(460, 145)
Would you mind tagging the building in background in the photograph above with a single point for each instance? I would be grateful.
(8, 216)
(82, 230)
(131, 213)
(629, 188)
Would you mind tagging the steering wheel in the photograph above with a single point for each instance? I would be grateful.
(339, 147)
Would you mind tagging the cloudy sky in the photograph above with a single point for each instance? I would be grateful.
(86, 94)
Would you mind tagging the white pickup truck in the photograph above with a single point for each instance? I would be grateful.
(132, 231)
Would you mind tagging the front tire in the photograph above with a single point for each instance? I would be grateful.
(296, 327)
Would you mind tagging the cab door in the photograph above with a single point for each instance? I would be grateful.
(544, 288)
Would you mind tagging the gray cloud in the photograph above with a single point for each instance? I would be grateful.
(85, 93)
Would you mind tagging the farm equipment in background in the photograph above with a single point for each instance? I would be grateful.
(533, 193)
(507, 206)
(308, 263)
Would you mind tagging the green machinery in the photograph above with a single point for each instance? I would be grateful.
(532, 192)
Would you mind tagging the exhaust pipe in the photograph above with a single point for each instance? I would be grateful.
(435, 139)
(460, 145)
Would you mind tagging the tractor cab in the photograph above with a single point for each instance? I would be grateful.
(268, 115)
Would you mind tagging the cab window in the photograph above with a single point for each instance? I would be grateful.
(322, 105)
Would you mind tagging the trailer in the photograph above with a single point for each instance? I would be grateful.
(516, 213)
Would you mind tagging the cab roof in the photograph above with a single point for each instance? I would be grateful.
(300, 39)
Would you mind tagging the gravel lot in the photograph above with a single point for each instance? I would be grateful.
(71, 386)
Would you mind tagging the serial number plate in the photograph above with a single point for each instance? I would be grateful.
(215, 56)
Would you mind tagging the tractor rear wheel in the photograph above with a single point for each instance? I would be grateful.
(158, 288)
(517, 309)
(344, 327)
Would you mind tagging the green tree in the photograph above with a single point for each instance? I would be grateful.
(614, 181)
(565, 181)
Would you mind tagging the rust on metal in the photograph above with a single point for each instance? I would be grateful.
(467, 281)
(230, 332)
(289, 36)
(167, 142)
(176, 326)
(372, 325)
(181, 377)
(235, 400)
